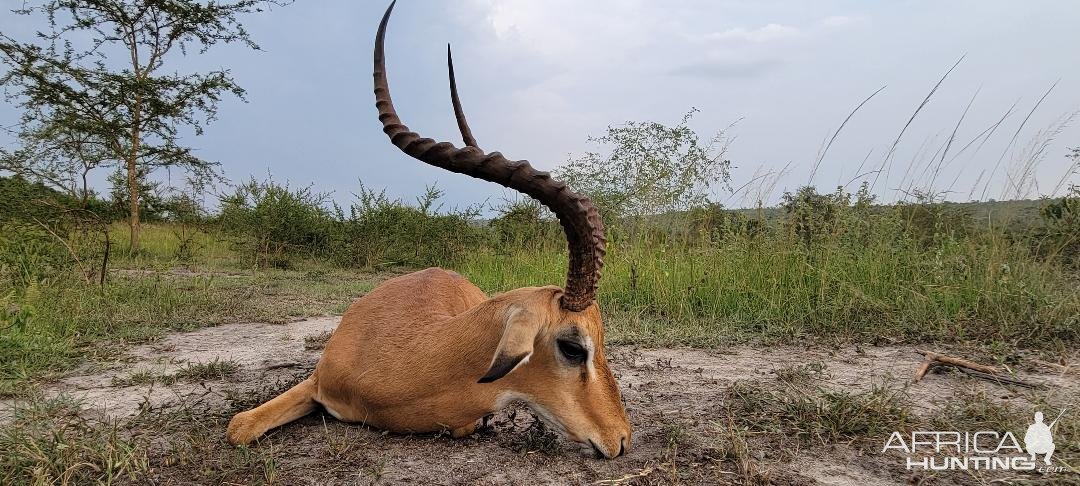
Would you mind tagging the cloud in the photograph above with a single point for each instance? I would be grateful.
(767, 33)
(728, 69)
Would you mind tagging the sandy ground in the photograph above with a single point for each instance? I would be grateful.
(669, 393)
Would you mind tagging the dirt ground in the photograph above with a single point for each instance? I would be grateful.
(678, 401)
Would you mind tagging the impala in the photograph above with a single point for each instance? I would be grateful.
(430, 352)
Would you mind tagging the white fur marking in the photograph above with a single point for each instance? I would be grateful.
(333, 412)
(592, 356)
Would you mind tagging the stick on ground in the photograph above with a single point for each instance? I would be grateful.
(933, 358)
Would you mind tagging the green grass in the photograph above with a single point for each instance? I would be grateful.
(160, 248)
(871, 289)
(819, 415)
(52, 443)
(868, 278)
(217, 369)
(903, 274)
(64, 322)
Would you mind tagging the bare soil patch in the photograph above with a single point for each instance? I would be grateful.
(679, 400)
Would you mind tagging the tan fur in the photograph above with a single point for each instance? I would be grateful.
(407, 357)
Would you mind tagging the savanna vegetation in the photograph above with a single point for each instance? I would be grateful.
(85, 274)
(830, 266)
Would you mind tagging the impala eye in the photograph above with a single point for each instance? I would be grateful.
(573, 351)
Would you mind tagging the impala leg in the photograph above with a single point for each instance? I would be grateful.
(463, 431)
(298, 401)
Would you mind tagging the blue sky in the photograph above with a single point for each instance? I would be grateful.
(537, 78)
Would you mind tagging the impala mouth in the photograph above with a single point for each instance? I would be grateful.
(552, 422)
(596, 450)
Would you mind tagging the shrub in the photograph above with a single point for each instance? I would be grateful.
(812, 216)
(714, 223)
(378, 231)
(272, 223)
(524, 223)
(644, 169)
(190, 219)
(44, 233)
(1059, 236)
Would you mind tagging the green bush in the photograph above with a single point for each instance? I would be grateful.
(1059, 236)
(272, 224)
(45, 233)
(378, 232)
(524, 223)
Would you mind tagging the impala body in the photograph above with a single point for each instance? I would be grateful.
(430, 352)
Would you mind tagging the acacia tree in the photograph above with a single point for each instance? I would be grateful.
(95, 90)
(648, 168)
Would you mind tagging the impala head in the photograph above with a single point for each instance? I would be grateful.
(553, 360)
(552, 339)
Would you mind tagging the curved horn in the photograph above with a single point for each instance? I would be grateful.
(576, 213)
(459, 114)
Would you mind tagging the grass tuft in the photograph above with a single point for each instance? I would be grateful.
(821, 415)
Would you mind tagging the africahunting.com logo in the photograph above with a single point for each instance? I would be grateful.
(982, 450)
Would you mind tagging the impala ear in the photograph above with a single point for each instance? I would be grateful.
(516, 344)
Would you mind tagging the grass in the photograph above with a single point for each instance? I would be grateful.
(162, 246)
(210, 370)
(893, 275)
(864, 281)
(538, 438)
(218, 369)
(53, 443)
(773, 290)
(802, 374)
(67, 321)
(732, 447)
(142, 377)
(820, 415)
(977, 411)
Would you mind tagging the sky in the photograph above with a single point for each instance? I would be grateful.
(538, 78)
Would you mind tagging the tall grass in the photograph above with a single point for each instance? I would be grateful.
(168, 245)
(872, 279)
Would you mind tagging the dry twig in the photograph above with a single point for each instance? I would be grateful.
(627, 477)
(971, 368)
(932, 358)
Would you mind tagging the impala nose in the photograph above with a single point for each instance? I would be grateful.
(624, 444)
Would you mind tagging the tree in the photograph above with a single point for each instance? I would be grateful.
(650, 168)
(57, 156)
(111, 101)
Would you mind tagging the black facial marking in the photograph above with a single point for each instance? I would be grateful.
(502, 365)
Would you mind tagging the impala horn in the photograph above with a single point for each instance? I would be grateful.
(577, 214)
